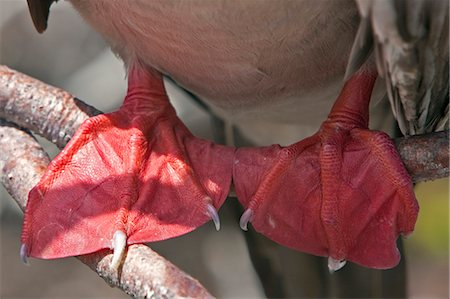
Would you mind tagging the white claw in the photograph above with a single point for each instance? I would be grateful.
(119, 243)
(212, 212)
(245, 219)
(407, 235)
(334, 265)
(24, 254)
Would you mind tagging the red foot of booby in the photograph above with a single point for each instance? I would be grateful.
(342, 193)
(136, 175)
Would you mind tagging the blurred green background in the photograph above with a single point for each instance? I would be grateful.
(427, 248)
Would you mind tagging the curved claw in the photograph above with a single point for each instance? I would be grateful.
(212, 212)
(334, 265)
(119, 243)
(407, 235)
(245, 219)
(24, 254)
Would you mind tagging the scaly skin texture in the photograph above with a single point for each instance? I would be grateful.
(138, 170)
(343, 192)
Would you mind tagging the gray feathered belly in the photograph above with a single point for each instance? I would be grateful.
(281, 61)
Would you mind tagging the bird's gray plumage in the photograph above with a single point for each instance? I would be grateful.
(410, 41)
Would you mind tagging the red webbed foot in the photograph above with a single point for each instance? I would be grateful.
(342, 193)
(132, 176)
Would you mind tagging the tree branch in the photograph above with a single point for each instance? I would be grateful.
(48, 111)
(425, 156)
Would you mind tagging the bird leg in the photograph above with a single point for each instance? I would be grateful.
(132, 176)
(342, 193)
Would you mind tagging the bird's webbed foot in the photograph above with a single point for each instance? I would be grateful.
(132, 176)
(342, 193)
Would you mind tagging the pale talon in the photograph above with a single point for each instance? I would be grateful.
(406, 235)
(119, 242)
(335, 265)
(245, 219)
(212, 212)
(24, 254)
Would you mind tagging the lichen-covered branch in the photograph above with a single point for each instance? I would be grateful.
(46, 110)
(22, 161)
(144, 273)
(425, 156)
(55, 114)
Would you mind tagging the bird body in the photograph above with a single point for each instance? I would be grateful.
(252, 62)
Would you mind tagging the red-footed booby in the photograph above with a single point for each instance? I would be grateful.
(138, 175)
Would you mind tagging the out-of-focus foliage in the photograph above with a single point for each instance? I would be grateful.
(432, 229)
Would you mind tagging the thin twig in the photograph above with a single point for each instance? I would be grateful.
(144, 273)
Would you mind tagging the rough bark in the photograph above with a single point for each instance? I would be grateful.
(425, 156)
(46, 110)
